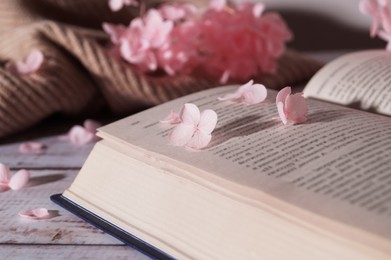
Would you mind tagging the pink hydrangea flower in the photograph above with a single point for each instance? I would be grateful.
(223, 42)
(143, 38)
(240, 43)
(195, 128)
(292, 109)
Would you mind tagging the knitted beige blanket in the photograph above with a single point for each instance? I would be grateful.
(79, 75)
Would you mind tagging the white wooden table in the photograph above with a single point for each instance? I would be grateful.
(64, 236)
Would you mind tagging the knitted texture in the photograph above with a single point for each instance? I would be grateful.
(79, 75)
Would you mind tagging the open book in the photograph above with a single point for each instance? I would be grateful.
(260, 189)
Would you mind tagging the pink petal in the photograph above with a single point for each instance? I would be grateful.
(5, 176)
(296, 108)
(31, 148)
(181, 134)
(256, 94)
(199, 140)
(38, 213)
(190, 114)
(80, 136)
(172, 118)
(207, 122)
(19, 179)
(238, 93)
(224, 78)
(282, 94)
(258, 9)
(281, 112)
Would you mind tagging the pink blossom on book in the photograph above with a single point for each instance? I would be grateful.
(32, 148)
(37, 213)
(292, 109)
(14, 182)
(248, 93)
(29, 64)
(116, 5)
(195, 129)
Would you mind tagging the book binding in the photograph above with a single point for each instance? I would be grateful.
(109, 228)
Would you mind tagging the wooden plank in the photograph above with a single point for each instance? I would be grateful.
(69, 252)
(62, 229)
(58, 154)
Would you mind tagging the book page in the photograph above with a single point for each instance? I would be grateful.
(360, 80)
(337, 164)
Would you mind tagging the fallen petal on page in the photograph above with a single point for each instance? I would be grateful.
(292, 109)
(195, 128)
(37, 213)
(248, 93)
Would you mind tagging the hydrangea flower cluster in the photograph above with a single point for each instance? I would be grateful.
(225, 42)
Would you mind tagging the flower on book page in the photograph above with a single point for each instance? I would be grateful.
(37, 213)
(81, 135)
(30, 63)
(32, 148)
(248, 93)
(195, 127)
(14, 182)
(116, 5)
(292, 109)
(380, 12)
